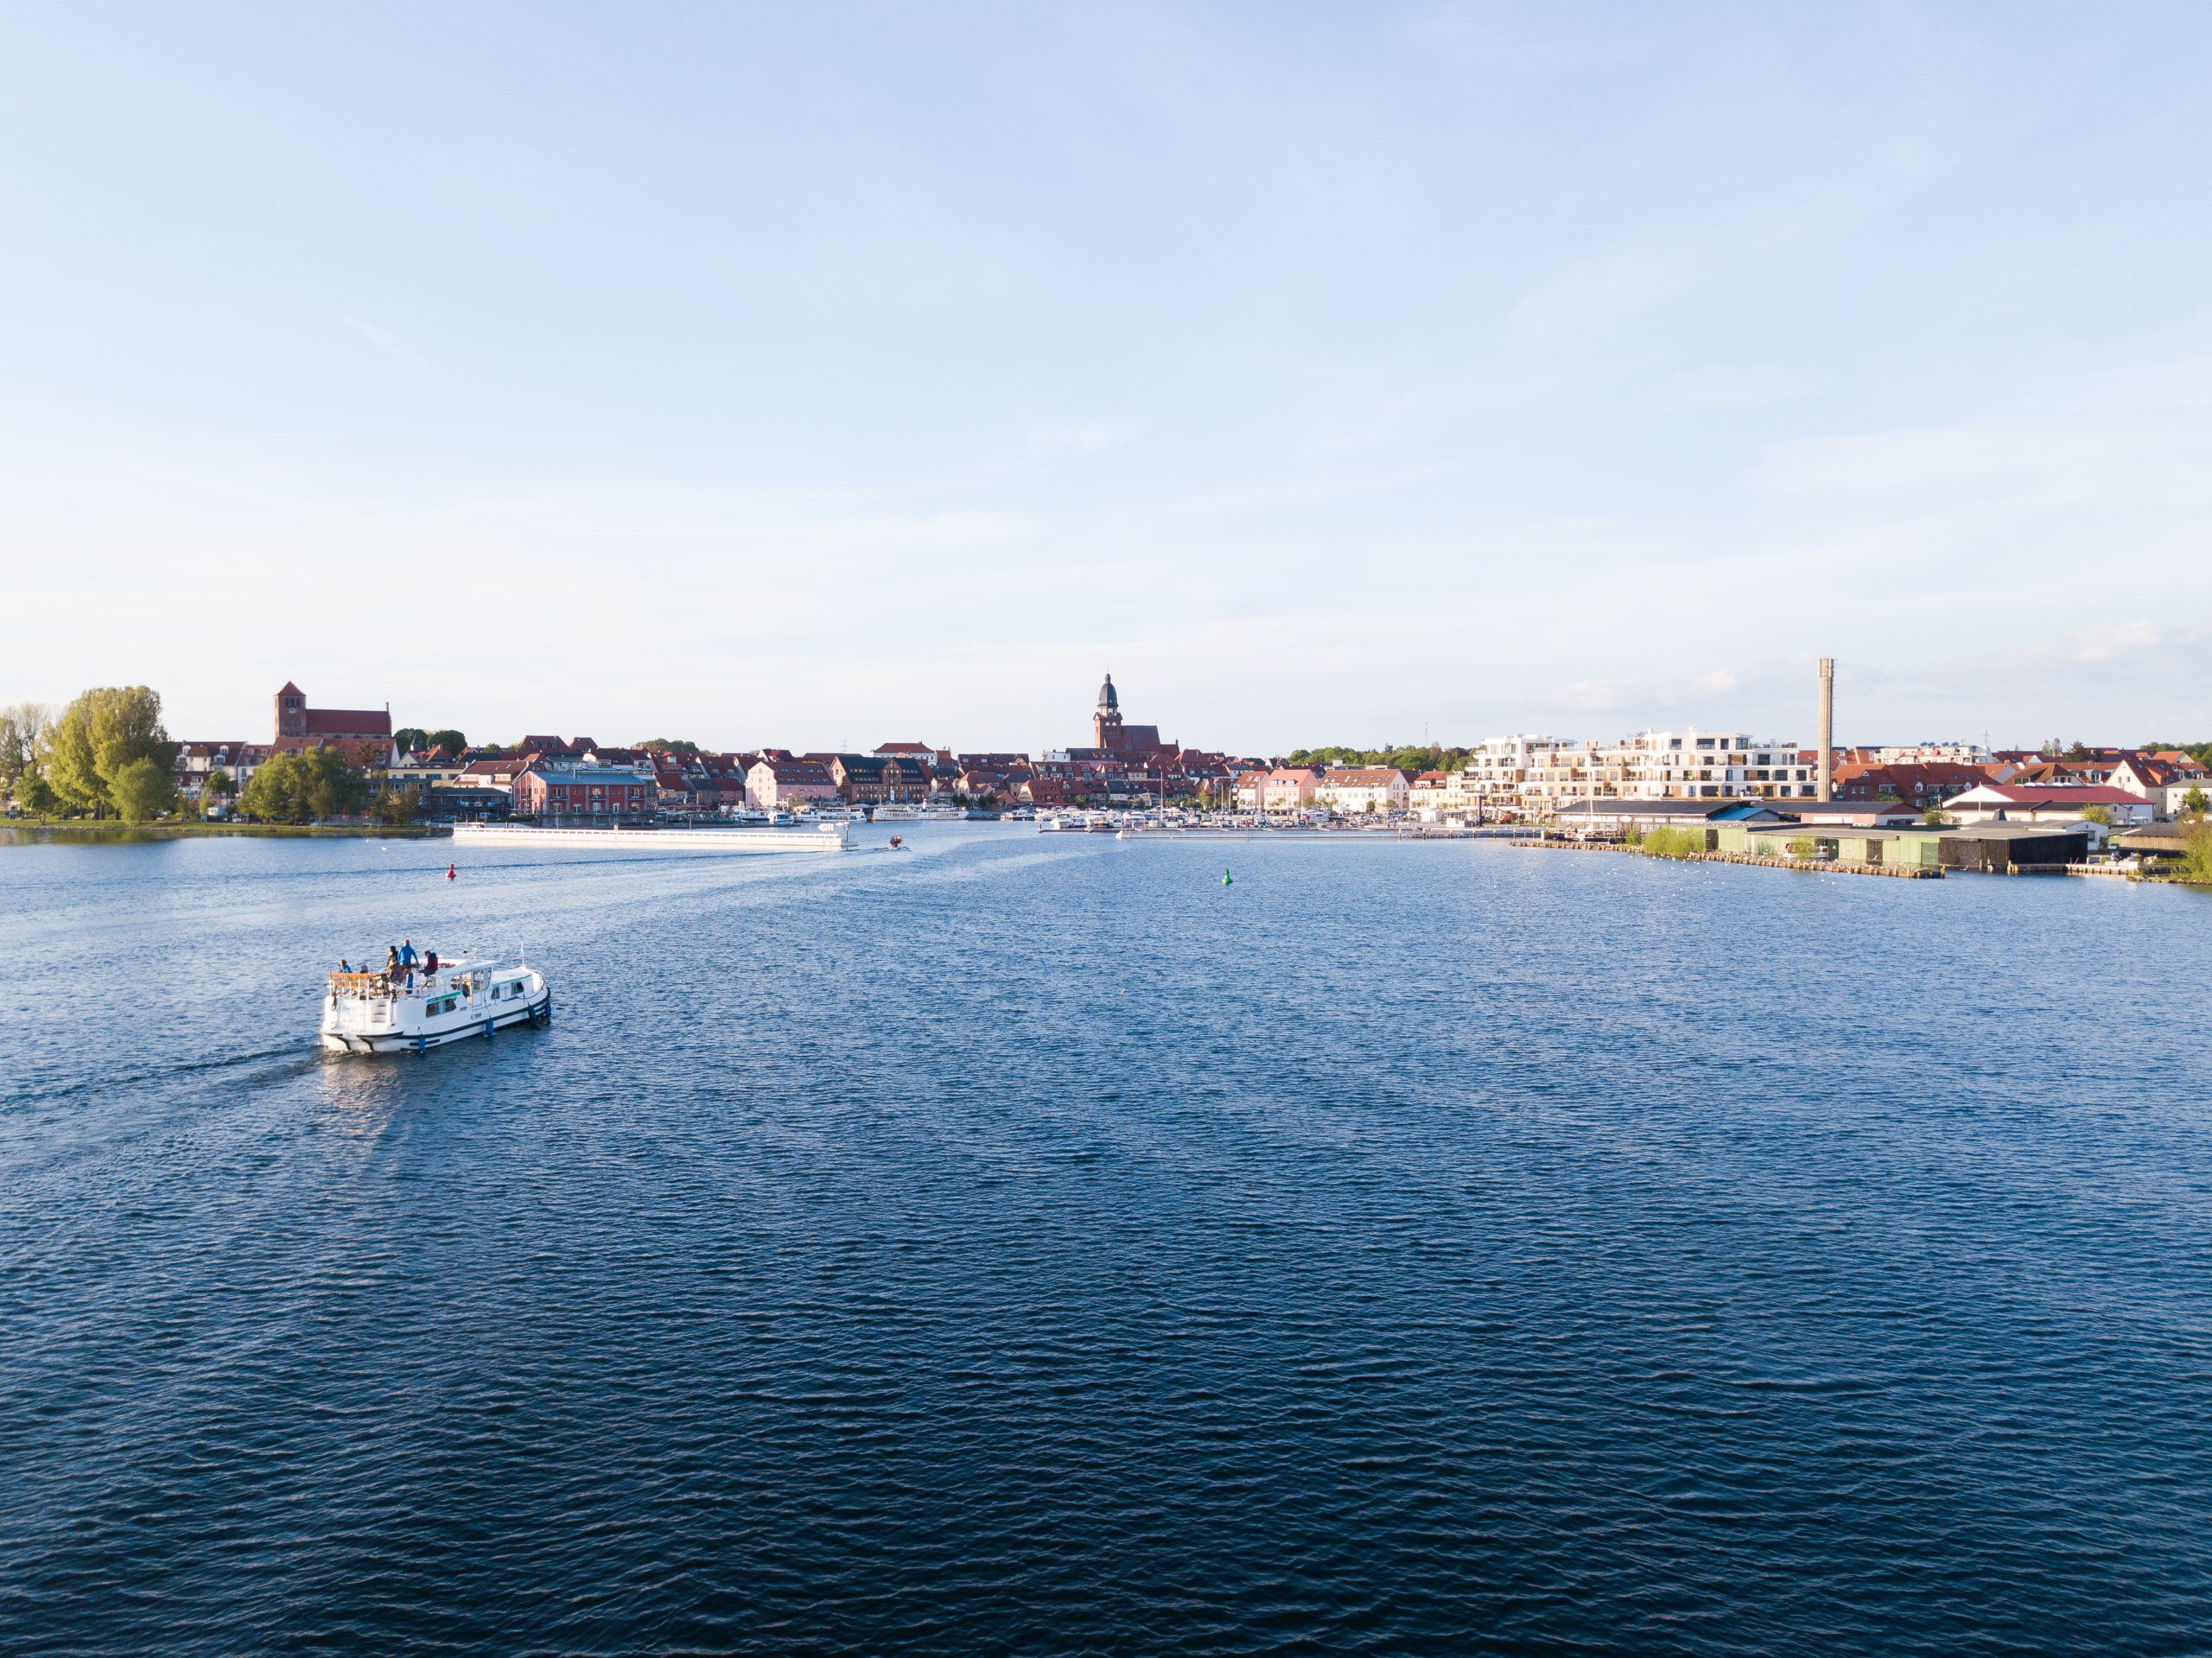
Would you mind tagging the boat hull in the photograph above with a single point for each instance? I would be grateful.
(835, 839)
(462, 1030)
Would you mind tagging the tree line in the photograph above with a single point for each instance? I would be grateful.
(1433, 757)
(108, 754)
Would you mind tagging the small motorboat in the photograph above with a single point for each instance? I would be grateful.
(380, 1013)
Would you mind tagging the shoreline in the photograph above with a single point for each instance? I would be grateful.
(14, 834)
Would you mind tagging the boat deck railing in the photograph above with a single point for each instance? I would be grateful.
(381, 986)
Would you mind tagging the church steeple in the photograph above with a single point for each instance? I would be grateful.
(1106, 723)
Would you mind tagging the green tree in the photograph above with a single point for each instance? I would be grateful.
(98, 734)
(1933, 817)
(412, 737)
(219, 784)
(390, 805)
(143, 789)
(2097, 813)
(1674, 843)
(300, 788)
(672, 744)
(33, 794)
(2194, 802)
(20, 726)
(2196, 860)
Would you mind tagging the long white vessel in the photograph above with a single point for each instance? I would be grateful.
(829, 837)
(378, 1013)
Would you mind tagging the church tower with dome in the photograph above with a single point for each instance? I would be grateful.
(1106, 723)
(1108, 736)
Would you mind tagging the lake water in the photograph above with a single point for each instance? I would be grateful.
(1027, 1243)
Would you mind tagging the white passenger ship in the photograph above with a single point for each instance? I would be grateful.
(373, 1013)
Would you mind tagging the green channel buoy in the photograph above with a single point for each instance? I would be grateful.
(1225, 880)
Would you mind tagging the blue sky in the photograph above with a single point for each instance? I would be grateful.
(827, 374)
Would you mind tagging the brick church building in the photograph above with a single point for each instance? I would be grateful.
(1130, 744)
(365, 732)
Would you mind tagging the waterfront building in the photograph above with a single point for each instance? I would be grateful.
(463, 804)
(494, 771)
(1362, 788)
(433, 770)
(2045, 803)
(779, 781)
(1697, 764)
(603, 791)
(1539, 776)
(1044, 791)
(1289, 788)
(2163, 780)
(1518, 774)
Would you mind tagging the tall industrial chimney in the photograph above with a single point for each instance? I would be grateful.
(1827, 727)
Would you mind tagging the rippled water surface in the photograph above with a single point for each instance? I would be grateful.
(1027, 1243)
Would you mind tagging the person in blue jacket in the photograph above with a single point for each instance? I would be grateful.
(407, 959)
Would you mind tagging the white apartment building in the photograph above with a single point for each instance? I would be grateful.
(1517, 773)
(1694, 764)
(1350, 789)
(1539, 775)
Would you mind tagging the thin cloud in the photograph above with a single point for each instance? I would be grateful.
(389, 343)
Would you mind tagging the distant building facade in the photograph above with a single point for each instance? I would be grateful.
(778, 784)
(366, 732)
(601, 792)
(1364, 789)
(2045, 803)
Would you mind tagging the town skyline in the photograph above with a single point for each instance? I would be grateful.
(1850, 733)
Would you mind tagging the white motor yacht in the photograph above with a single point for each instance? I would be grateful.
(377, 1012)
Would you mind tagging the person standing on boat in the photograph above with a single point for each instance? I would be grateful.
(407, 959)
(391, 963)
